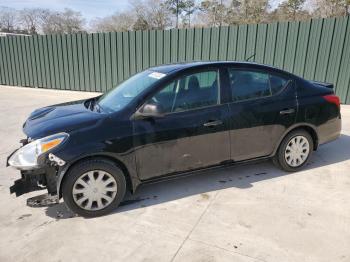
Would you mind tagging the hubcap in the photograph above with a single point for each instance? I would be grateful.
(94, 190)
(297, 151)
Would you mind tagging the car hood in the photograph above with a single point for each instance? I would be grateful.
(60, 118)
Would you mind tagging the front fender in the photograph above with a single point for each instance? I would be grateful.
(125, 162)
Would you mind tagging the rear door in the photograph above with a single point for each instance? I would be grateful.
(263, 105)
(193, 133)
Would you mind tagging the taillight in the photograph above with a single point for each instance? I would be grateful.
(333, 99)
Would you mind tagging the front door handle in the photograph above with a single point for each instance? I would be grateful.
(287, 111)
(211, 123)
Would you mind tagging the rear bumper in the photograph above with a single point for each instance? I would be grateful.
(329, 131)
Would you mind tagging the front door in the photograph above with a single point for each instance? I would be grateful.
(193, 132)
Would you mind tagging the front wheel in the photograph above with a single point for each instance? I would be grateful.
(294, 151)
(94, 188)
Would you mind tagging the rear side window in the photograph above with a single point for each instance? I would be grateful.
(247, 84)
(277, 83)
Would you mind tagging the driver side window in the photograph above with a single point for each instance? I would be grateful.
(189, 92)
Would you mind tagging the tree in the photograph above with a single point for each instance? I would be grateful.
(151, 14)
(292, 7)
(32, 19)
(233, 13)
(188, 10)
(71, 21)
(176, 7)
(143, 15)
(332, 8)
(141, 24)
(8, 19)
(140, 13)
(253, 11)
(213, 12)
(158, 13)
(118, 22)
(67, 22)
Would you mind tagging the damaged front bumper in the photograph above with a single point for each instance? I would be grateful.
(43, 177)
(33, 180)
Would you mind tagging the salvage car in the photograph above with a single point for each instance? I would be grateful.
(169, 121)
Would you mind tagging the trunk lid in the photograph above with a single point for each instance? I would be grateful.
(322, 84)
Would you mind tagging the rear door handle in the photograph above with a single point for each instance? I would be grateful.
(287, 111)
(211, 123)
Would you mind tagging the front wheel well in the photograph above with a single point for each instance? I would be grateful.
(117, 162)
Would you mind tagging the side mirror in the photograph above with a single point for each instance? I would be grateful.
(149, 110)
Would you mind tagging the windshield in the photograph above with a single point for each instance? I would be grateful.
(120, 96)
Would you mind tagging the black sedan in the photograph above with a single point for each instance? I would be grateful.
(169, 121)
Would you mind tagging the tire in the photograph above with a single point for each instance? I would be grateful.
(303, 149)
(94, 187)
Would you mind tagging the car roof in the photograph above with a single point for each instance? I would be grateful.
(172, 68)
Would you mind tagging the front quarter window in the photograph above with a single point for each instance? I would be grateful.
(120, 96)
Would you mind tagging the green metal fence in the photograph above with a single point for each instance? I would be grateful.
(317, 50)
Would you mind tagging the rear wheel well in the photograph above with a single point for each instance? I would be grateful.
(310, 130)
(115, 161)
(313, 134)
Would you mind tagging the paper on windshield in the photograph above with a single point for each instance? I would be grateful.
(156, 75)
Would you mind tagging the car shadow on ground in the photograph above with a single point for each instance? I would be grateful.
(239, 176)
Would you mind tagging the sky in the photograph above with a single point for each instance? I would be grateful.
(89, 8)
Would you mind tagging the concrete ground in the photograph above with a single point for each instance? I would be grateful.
(245, 213)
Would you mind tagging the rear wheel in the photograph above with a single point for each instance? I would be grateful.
(294, 151)
(94, 187)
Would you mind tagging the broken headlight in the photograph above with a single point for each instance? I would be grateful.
(26, 157)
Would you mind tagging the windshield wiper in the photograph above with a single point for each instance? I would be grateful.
(97, 107)
(93, 105)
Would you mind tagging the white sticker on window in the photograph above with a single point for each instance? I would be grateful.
(156, 75)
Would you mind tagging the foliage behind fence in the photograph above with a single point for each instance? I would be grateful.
(317, 50)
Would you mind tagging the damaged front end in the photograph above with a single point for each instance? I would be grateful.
(34, 180)
(39, 169)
